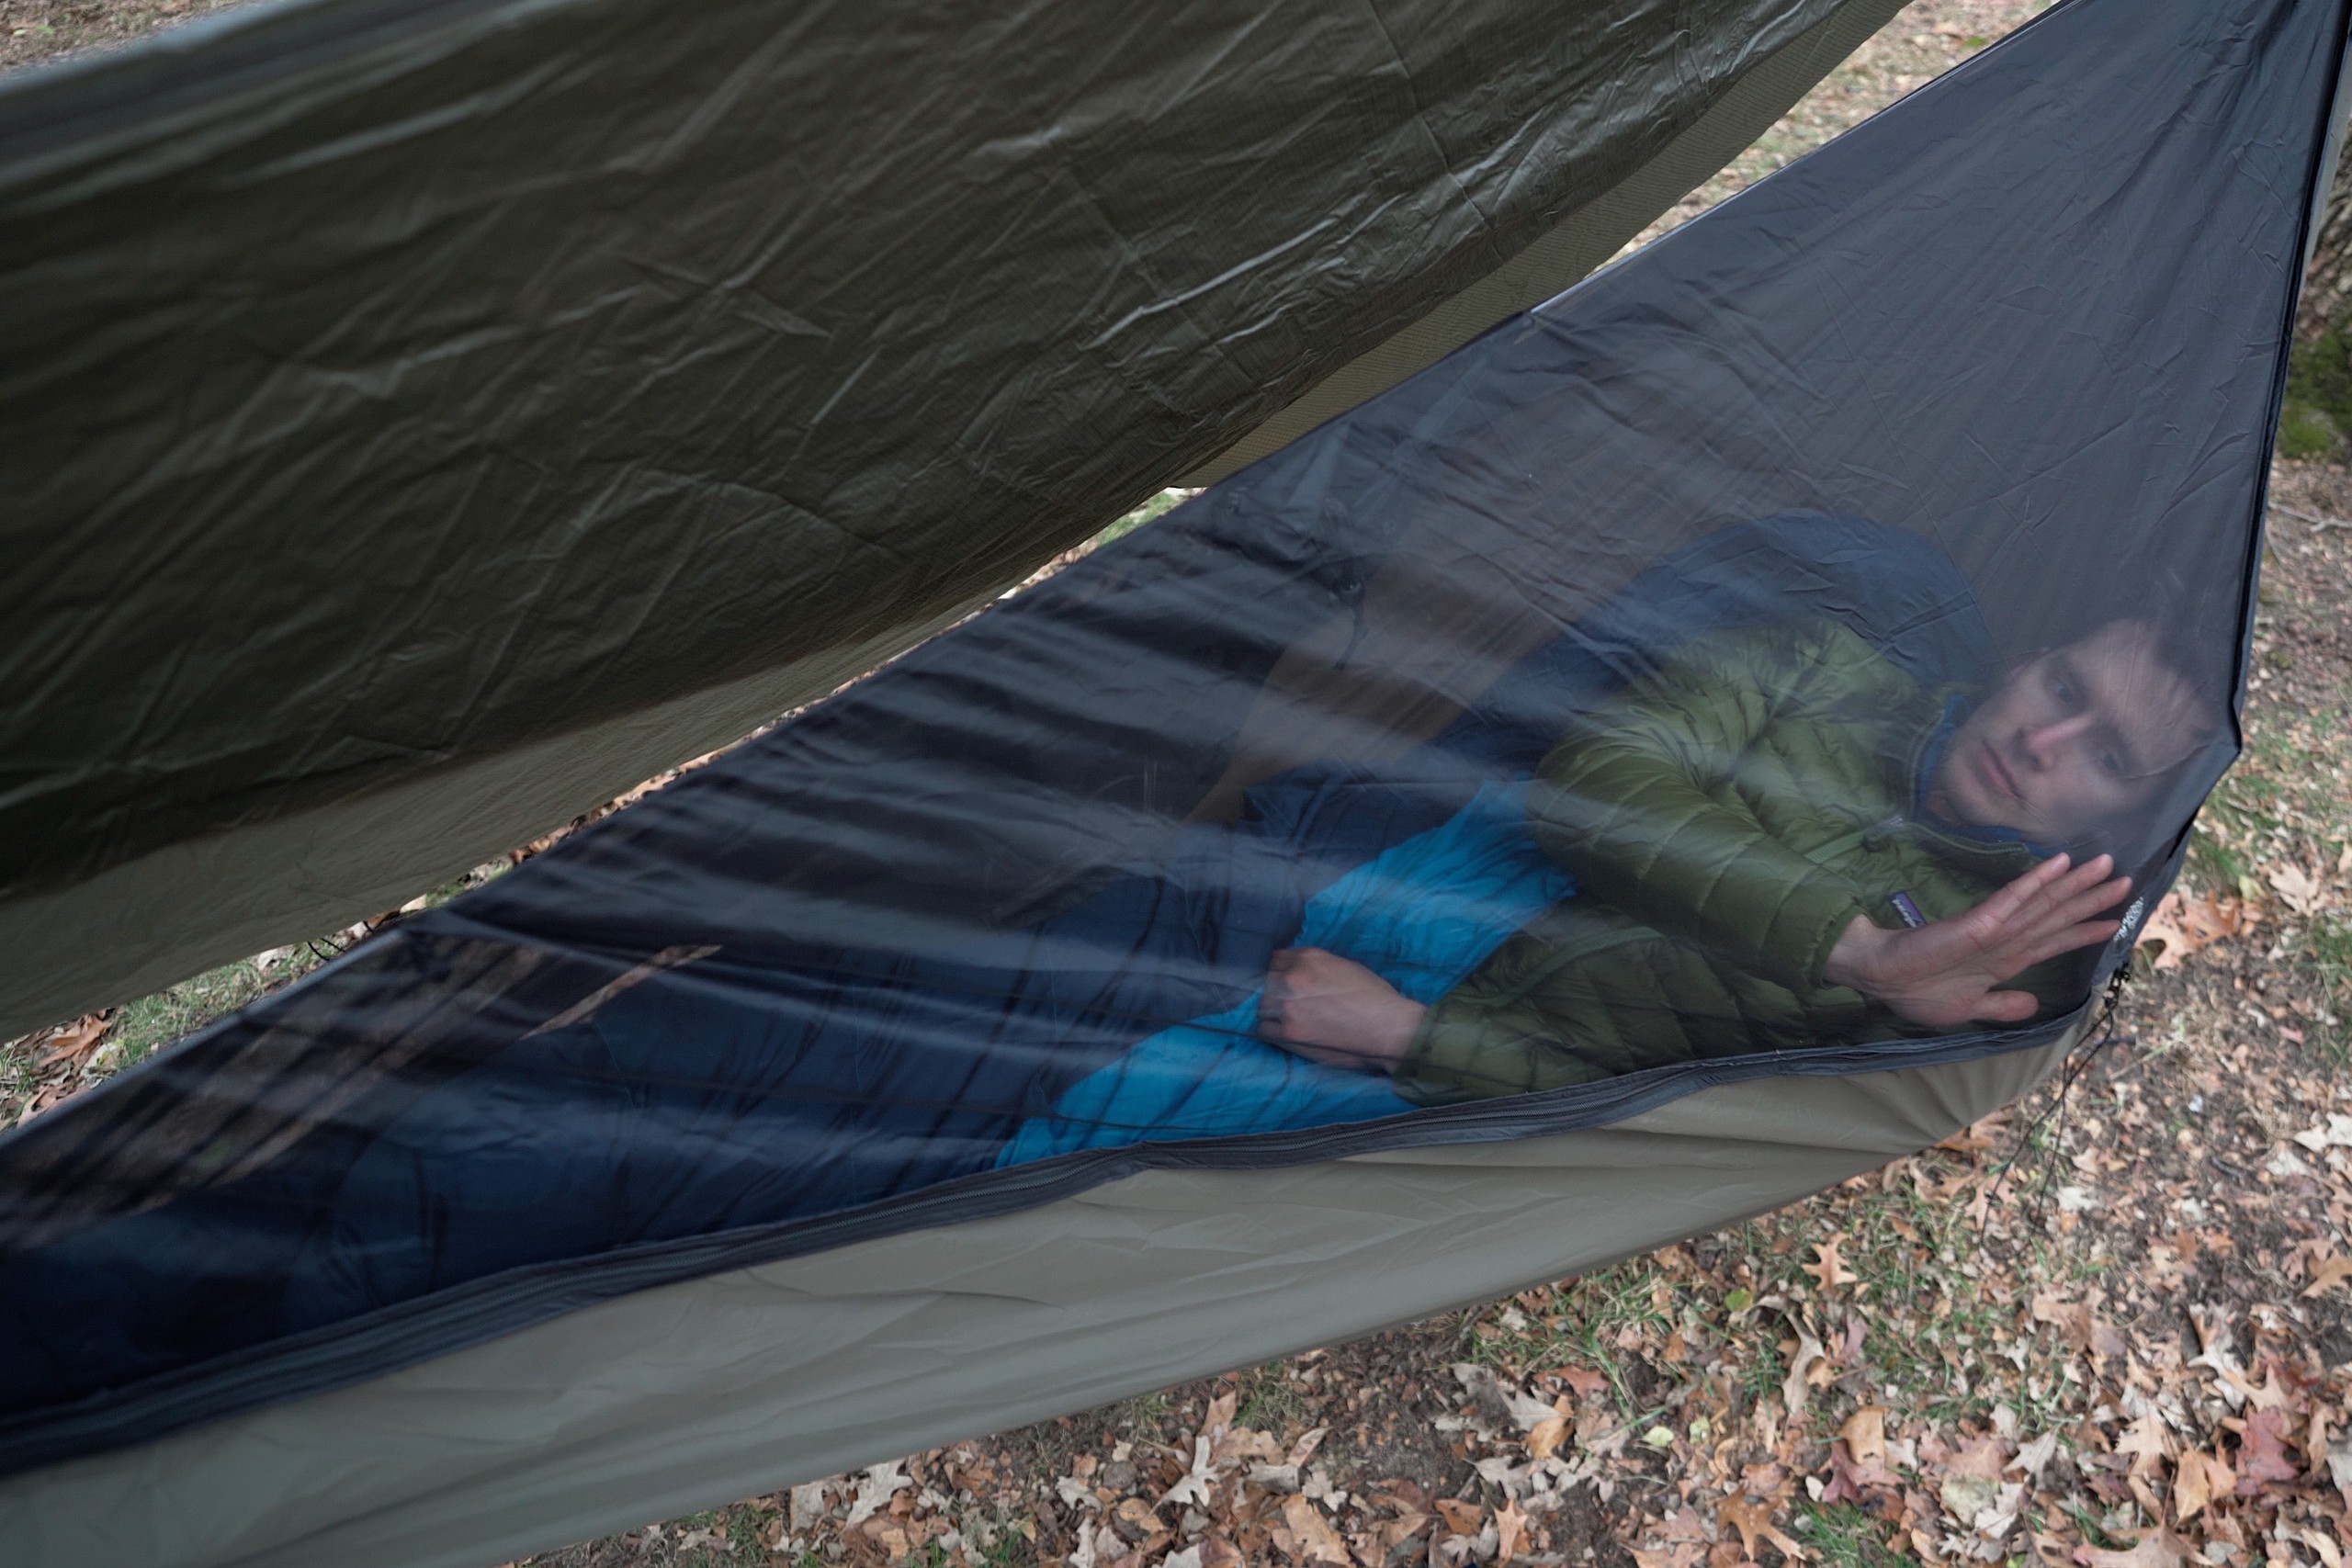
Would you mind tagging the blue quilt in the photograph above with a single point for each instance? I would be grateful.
(1421, 916)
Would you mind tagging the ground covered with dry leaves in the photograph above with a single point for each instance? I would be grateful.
(32, 31)
(2110, 1328)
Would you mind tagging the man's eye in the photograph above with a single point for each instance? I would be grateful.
(2110, 762)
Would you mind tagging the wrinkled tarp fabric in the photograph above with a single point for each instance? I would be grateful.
(393, 387)
(2013, 347)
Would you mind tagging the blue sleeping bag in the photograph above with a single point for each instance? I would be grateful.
(1421, 916)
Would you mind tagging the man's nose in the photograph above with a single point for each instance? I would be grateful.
(2044, 742)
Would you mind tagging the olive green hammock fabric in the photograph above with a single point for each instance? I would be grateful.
(428, 419)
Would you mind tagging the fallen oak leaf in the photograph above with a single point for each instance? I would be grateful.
(1584, 1382)
(2279, 1389)
(877, 1486)
(1831, 1271)
(2049, 1549)
(1966, 1496)
(1865, 1434)
(1681, 1554)
(1195, 1484)
(1408, 1525)
(1752, 1518)
(1979, 1456)
(72, 1041)
(2263, 1459)
(1978, 1135)
(1847, 1478)
(1460, 1517)
(2145, 1443)
(2157, 1549)
(1312, 1538)
(2334, 1133)
(1511, 1529)
(1845, 1483)
(2034, 1458)
(1796, 1386)
(2199, 1478)
(2081, 1325)
(2299, 889)
(2330, 1273)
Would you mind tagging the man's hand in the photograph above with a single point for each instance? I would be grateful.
(1943, 973)
(1334, 1011)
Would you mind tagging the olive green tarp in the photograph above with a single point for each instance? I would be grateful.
(426, 420)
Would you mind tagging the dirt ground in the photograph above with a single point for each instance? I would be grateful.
(32, 31)
(2109, 1328)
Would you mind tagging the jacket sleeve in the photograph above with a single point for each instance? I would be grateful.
(1641, 800)
(1525, 1021)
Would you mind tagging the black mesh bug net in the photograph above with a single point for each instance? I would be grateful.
(1792, 654)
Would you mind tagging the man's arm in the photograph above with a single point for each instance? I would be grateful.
(1639, 799)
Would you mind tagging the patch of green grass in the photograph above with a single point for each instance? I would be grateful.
(2306, 431)
(2246, 805)
(1844, 1537)
(153, 1021)
(1144, 1413)
(1268, 1402)
(2318, 408)
(1010, 1548)
(1160, 505)
(2327, 948)
(2318, 373)
(1594, 1312)
(142, 1027)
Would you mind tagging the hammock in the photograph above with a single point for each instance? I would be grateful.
(1562, 720)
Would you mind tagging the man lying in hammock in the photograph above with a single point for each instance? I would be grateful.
(1745, 806)
(1780, 840)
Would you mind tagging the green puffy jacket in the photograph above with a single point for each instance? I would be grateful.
(1724, 819)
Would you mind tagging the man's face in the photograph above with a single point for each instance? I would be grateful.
(2073, 738)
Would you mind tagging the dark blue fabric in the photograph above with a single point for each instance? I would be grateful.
(716, 1095)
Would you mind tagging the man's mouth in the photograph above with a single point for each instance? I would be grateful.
(1997, 773)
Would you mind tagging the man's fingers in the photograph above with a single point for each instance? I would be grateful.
(1990, 922)
(2063, 889)
(1998, 920)
(2005, 904)
(2090, 934)
(2094, 901)
(2078, 905)
(2083, 892)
